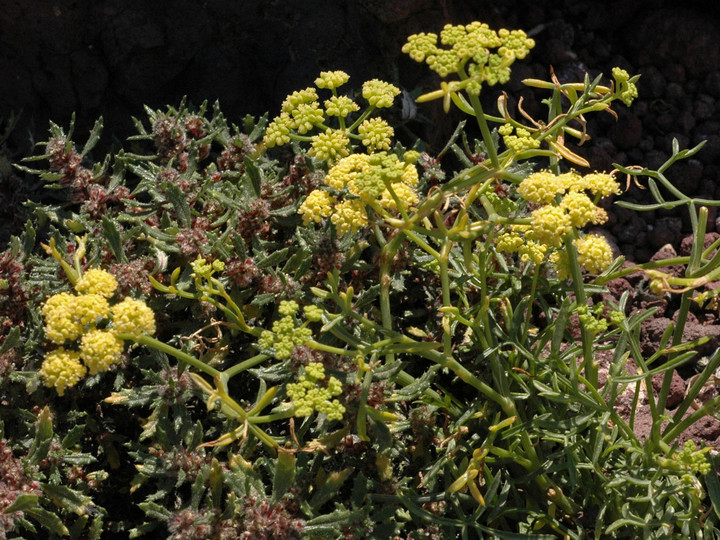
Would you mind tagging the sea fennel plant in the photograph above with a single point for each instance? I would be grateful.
(382, 352)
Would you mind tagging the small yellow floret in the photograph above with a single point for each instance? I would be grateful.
(60, 324)
(349, 216)
(318, 205)
(403, 192)
(90, 308)
(594, 253)
(601, 184)
(300, 97)
(100, 349)
(509, 242)
(345, 170)
(278, 131)
(330, 145)
(532, 252)
(97, 281)
(419, 46)
(331, 79)
(572, 181)
(132, 316)
(376, 134)
(562, 264)
(379, 93)
(626, 90)
(340, 106)
(410, 174)
(582, 210)
(541, 187)
(549, 225)
(62, 369)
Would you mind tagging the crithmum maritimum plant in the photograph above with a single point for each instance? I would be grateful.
(380, 353)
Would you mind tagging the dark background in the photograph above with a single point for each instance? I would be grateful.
(109, 58)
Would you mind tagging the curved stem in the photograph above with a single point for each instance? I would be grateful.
(144, 339)
(245, 364)
(485, 131)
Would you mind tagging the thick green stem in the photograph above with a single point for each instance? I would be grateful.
(589, 366)
(485, 131)
(245, 364)
(144, 339)
(386, 258)
(446, 300)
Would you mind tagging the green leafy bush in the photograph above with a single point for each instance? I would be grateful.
(302, 329)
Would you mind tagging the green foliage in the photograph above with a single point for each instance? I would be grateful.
(350, 344)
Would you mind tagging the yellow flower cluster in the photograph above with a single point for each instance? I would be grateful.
(60, 324)
(318, 205)
(624, 86)
(581, 210)
(541, 187)
(97, 281)
(470, 49)
(301, 113)
(376, 134)
(131, 316)
(532, 252)
(594, 253)
(62, 369)
(310, 395)
(519, 142)
(381, 181)
(285, 334)
(89, 318)
(67, 316)
(340, 106)
(565, 202)
(549, 225)
(99, 349)
(330, 145)
(379, 93)
(349, 216)
(331, 79)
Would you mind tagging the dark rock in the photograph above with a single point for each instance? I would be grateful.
(616, 288)
(627, 133)
(667, 230)
(711, 84)
(695, 46)
(633, 231)
(687, 242)
(668, 252)
(674, 72)
(653, 329)
(710, 152)
(687, 174)
(704, 107)
(652, 83)
(686, 121)
(677, 388)
(675, 93)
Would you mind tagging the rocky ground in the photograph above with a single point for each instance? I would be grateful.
(110, 58)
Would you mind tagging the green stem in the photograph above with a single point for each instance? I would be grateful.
(485, 131)
(386, 257)
(144, 339)
(708, 408)
(328, 348)
(531, 301)
(367, 112)
(245, 364)
(589, 366)
(699, 227)
(446, 300)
